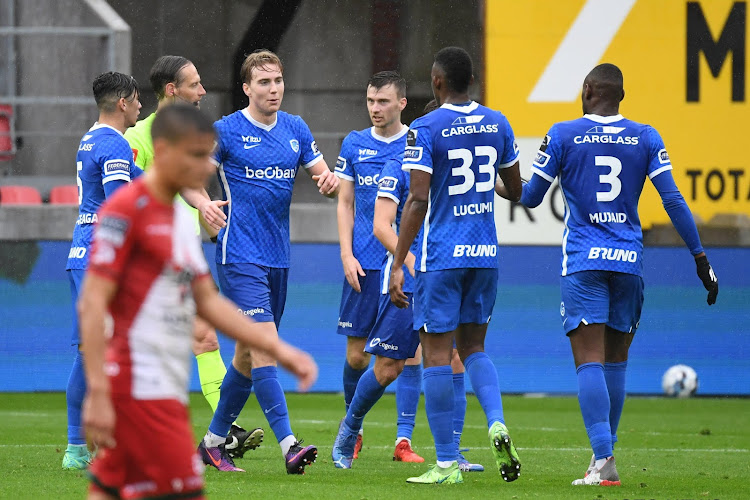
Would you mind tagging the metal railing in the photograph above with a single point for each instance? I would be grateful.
(115, 34)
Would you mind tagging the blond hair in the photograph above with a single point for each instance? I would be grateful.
(259, 59)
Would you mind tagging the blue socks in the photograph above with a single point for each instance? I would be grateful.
(408, 388)
(483, 376)
(594, 401)
(459, 406)
(614, 374)
(438, 401)
(368, 392)
(351, 378)
(74, 394)
(272, 401)
(235, 389)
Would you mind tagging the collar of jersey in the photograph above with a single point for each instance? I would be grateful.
(388, 140)
(98, 125)
(258, 124)
(462, 108)
(604, 119)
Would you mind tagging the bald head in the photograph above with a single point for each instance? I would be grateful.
(602, 88)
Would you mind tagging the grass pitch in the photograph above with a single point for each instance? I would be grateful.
(668, 449)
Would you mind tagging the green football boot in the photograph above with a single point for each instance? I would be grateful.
(438, 475)
(506, 456)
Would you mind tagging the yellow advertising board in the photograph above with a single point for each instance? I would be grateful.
(685, 69)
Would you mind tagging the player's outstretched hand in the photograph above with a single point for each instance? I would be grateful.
(298, 363)
(213, 214)
(327, 181)
(708, 277)
(396, 288)
(99, 420)
(352, 270)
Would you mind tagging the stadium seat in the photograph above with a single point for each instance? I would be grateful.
(19, 195)
(64, 195)
(6, 134)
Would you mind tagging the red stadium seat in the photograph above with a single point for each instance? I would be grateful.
(19, 195)
(6, 137)
(64, 195)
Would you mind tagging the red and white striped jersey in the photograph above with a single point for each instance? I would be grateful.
(153, 254)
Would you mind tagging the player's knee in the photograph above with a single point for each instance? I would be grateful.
(387, 370)
(359, 360)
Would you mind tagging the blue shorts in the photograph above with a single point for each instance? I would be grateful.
(258, 291)
(75, 278)
(451, 297)
(358, 311)
(393, 335)
(596, 297)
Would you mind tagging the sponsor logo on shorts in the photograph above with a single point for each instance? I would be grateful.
(387, 347)
(345, 324)
(251, 312)
(562, 308)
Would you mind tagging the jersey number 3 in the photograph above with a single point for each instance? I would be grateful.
(467, 173)
(611, 178)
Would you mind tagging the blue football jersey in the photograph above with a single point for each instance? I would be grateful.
(104, 162)
(602, 163)
(361, 160)
(394, 185)
(257, 165)
(462, 146)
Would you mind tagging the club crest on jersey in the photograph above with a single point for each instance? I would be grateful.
(663, 156)
(295, 145)
(466, 120)
(411, 137)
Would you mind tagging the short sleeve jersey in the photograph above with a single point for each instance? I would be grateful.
(602, 163)
(104, 162)
(148, 249)
(257, 165)
(394, 185)
(462, 146)
(360, 161)
(139, 138)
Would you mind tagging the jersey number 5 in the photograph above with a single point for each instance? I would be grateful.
(611, 178)
(79, 167)
(467, 173)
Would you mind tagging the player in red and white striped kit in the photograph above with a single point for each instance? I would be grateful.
(147, 271)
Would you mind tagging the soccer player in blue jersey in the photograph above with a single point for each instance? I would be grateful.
(602, 161)
(393, 338)
(175, 80)
(104, 162)
(259, 151)
(453, 155)
(360, 162)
